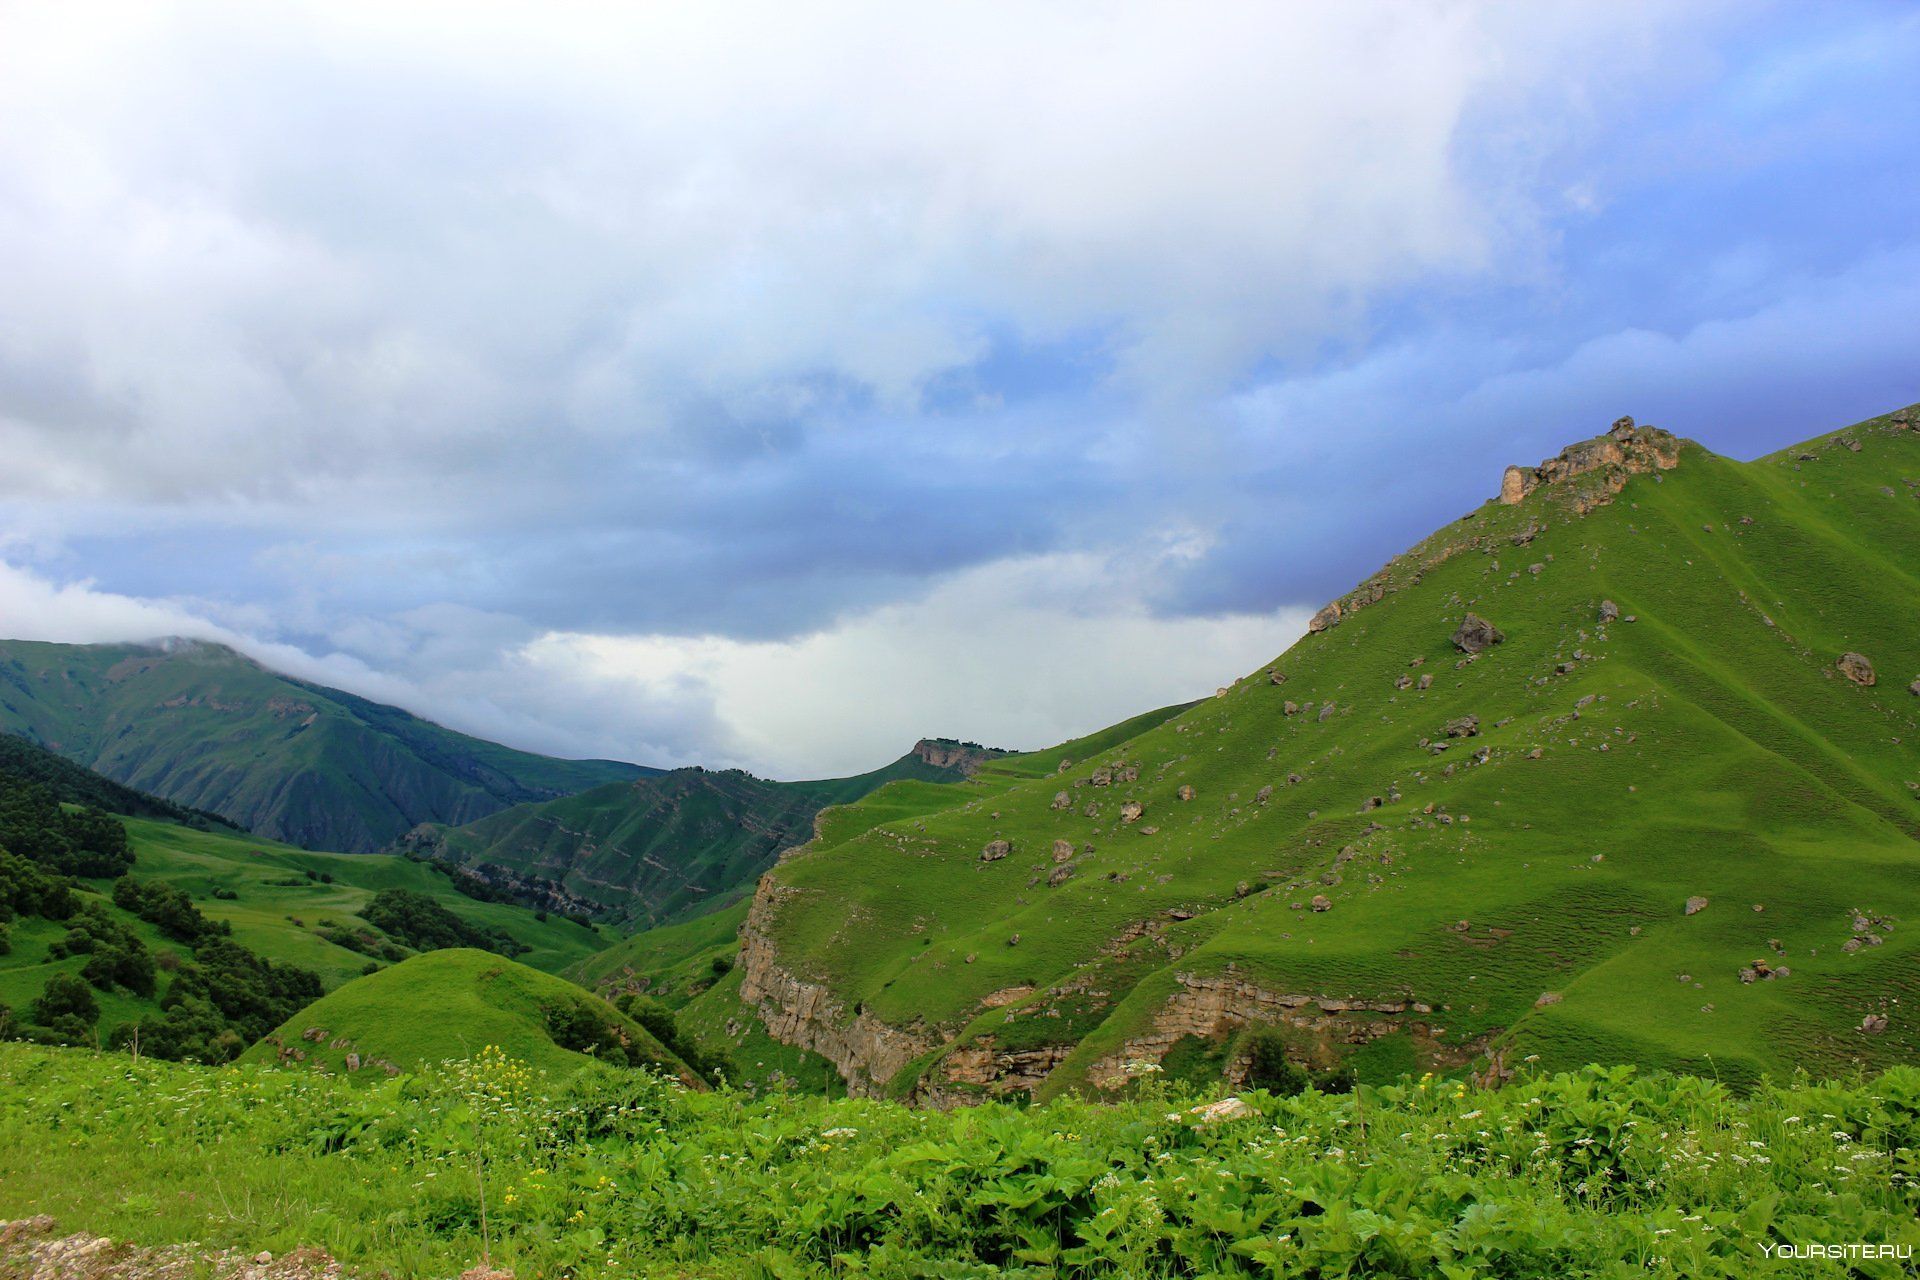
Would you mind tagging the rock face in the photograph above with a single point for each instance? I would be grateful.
(866, 1051)
(1855, 667)
(964, 756)
(1212, 1007)
(1476, 635)
(1626, 450)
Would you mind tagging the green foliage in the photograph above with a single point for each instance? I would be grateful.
(83, 842)
(1600, 1172)
(417, 921)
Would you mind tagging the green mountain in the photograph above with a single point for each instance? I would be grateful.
(1623, 766)
(72, 784)
(375, 1024)
(657, 849)
(201, 726)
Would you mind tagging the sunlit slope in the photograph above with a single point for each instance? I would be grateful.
(453, 1004)
(660, 849)
(1711, 747)
(200, 725)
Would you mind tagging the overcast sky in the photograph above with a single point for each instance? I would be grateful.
(774, 384)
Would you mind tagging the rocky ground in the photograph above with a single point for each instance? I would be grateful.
(35, 1249)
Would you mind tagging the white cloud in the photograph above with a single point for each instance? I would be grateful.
(345, 258)
(1022, 653)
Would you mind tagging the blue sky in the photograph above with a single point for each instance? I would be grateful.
(718, 384)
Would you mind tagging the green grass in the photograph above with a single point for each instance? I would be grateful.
(440, 1005)
(602, 1174)
(1707, 748)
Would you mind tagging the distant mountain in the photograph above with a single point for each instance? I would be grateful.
(201, 726)
(667, 847)
(1622, 766)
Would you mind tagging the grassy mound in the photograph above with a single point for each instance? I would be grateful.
(452, 1004)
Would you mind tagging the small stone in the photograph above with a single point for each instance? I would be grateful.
(1014, 941)
(1321, 902)
(1874, 1024)
(971, 957)
(1426, 681)
(1325, 711)
(1242, 889)
(1608, 611)
(1695, 905)
(1547, 998)
(1185, 792)
(1290, 707)
(263, 1257)
(1276, 677)
(996, 850)
(1264, 794)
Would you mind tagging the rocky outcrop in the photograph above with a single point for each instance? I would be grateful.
(944, 753)
(974, 1072)
(1212, 1007)
(866, 1051)
(1327, 618)
(1601, 465)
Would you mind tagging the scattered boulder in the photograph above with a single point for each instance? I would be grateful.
(1326, 710)
(1855, 667)
(1264, 794)
(1103, 776)
(1127, 774)
(1131, 811)
(1061, 800)
(1060, 876)
(1326, 618)
(1290, 707)
(1276, 677)
(1014, 941)
(1464, 727)
(1547, 998)
(1695, 905)
(1475, 634)
(1062, 850)
(1426, 681)
(1403, 681)
(996, 850)
(1186, 791)
(1242, 889)
(1914, 688)
(1608, 611)
(1874, 1024)
(1321, 902)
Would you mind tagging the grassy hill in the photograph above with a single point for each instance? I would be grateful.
(658, 849)
(452, 1004)
(1658, 822)
(201, 726)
